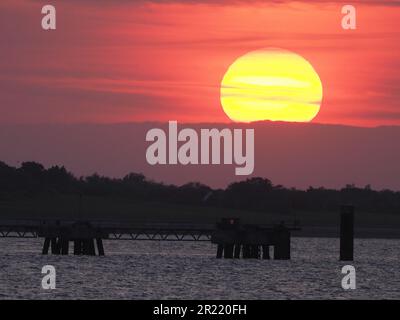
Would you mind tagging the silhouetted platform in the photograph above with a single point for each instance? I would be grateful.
(234, 239)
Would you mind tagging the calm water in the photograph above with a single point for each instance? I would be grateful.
(167, 270)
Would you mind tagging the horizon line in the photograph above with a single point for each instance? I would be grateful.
(269, 122)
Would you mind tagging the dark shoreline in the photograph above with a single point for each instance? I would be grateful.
(360, 233)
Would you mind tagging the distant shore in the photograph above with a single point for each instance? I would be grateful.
(91, 208)
(361, 233)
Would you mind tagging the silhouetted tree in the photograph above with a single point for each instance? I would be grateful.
(252, 194)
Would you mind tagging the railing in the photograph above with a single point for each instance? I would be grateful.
(117, 230)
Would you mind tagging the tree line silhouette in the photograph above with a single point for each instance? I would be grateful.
(257, 194)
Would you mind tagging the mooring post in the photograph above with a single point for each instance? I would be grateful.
(46, 246)
(282, 244)
(346, 233)
(100, 247)
(286, 246)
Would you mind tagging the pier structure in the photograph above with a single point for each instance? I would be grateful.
(236, 240)
(86, 239)
(233, 239)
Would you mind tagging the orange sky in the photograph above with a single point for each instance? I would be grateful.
(164, 60)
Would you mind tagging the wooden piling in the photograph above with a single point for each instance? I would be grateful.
(85, 247)
(246, 251)
(256, 251)
(46, 246)
(237, 250)
(220, 250)
(77, 247)
(228, 251)
(251, 251)
(92, 251)
(265, 250)
(58, 245)
(55, 249)
(64, 246)
(346, 233)
(100, 247)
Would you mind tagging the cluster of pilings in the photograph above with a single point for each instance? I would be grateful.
(81, 246)
(235, 240)
(86, 239)
(245, 251)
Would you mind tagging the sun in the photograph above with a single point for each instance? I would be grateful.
(271, 84)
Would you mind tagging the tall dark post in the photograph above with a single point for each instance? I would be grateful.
(282, 243)
(346, 233)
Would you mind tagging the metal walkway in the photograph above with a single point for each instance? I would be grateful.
(126, 230)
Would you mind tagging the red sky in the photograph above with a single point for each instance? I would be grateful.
(164, 60)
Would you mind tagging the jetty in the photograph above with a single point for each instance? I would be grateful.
(233, 238)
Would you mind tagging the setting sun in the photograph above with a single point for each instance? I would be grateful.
(271, 84)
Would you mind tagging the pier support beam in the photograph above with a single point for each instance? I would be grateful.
(220, 250)
(100, 247)
(346, 233)
(255, 251)
(78, 247)
(46, 246)
(238, 248)
(265, 250)
(55, 248)
(246, 251)
(86, 247)
(64, 246)
(92, 250)
(228, 251)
